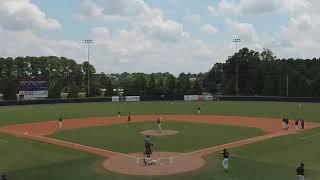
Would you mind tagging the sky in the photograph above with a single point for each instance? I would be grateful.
(158, 36)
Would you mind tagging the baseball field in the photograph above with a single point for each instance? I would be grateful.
(94, 143)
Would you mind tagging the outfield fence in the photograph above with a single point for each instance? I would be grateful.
(161, 98)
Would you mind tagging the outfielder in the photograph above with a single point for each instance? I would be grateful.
(199, 110)
(225, 162)
(119, 115)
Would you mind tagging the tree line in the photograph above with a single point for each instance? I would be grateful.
(259, 73)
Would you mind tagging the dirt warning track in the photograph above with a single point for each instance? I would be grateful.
(125, 163)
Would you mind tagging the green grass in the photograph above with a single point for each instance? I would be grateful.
(274, 159)
(127, 138)
(32, 113)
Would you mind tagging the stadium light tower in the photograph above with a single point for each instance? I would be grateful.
(236, 41)
(88, 42)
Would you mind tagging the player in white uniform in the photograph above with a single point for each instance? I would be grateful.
(159, 125)
(225, 162)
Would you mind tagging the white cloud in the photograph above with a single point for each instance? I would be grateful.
(212, 10)
(209, 29)
(254, 7)
(245, 31)
(301, 36)
(192, 18)
(23, 14)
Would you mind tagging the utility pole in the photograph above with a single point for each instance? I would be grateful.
(236, 41)
(287, 85)
(88, 42)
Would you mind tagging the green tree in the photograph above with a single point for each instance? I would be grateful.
(197, 89)
(73, 91)
(151, 88)
(171, 84)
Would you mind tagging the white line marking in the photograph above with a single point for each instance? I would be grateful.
(255, 139)
(3, 141)
(83, 146)
(307, 137)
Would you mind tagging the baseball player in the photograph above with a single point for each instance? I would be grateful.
(199, 110)
(287, 123)
(159, 125)
(300, 172)
(225, 162)
(302, 123)
(119, 115)
(129, 116)
(4, 177)
(60, 121)
(148, 144)
(296, 124)
(284, 123)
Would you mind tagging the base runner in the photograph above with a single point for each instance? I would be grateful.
(225, 162)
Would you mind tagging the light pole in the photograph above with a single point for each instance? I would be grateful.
(88, 42)
(236, 41)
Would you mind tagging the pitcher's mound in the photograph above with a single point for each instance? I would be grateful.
(156, 132)
(165, 163)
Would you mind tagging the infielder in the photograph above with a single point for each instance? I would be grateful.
(225, 162)
(199, 110)
(300, 172)
(159, 125)
(296, 124)
(302, 123)
(60, 121)
(284, 123)
(119, 115)
(287, 123)
(129, 116)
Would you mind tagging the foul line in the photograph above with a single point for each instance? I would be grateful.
(51, 140)
(84, 146)
(3, 141)
(307, 137)
(254, 139)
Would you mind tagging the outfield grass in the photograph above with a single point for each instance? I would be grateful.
(274, 159)
(127, 138)
(32, 113)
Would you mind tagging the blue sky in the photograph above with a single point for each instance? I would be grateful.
(158, 36)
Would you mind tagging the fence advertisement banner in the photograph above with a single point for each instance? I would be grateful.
(115, 99)
(191, 97)
(132, 98)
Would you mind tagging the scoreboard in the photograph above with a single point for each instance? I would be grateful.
(29, 90)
